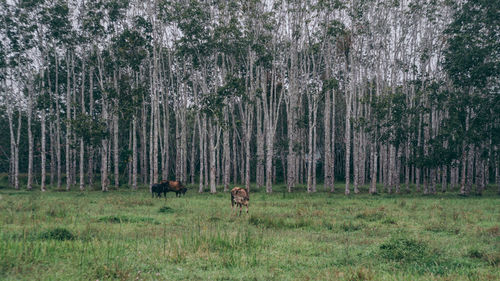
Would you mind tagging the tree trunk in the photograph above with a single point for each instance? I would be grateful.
(68, 126)
(203, 127)
(91, 114)
(260, 146)
(30, 139)
(211, 150)
(373, 184)
(82, 145)
(226, 151)
(116, 153)
(134, 153)
(332, 158)
(43, 153)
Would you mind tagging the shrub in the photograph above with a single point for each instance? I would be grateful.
(58, 234)
(166, 209)
(404, 250)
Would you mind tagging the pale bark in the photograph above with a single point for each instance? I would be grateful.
(212, 135)
(91, 114)
(332, 159)
(347, 138)
(68, 126)
(30, 139)
(373, 177)
(260, 140)
(134, 153)
(82, 145)
(327, 141)
(16, 163)
(270, 107)
(57, 128)
(226, 152)
(193, 153)
(43, 152)
(202, 127)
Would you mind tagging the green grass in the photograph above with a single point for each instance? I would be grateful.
(127, 235)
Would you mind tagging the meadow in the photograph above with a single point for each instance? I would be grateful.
(127, 235)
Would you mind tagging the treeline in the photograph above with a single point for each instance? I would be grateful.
(220, 92)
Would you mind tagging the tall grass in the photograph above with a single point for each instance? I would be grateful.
(127, 235)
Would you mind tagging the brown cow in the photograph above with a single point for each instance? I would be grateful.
(240, 197)
(175, 186)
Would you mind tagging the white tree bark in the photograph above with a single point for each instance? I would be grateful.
(30, 139)
(67, 159)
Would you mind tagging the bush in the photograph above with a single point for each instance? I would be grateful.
(58, 234)
(166, 209)
(404, 250)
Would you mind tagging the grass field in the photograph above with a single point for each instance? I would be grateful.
(127, 235)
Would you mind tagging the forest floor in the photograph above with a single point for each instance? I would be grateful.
(127, 235)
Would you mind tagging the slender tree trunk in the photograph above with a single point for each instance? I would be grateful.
(248, 136)
(82, 145)
(116, 153)
(373, 184)
(67, 159)
(332, 159)
(134, 153)
(13, 149)
(211, 150)
(348, 138)
(328, 146)
(43, 153)
(470, 168)
(463, 190)
(260, 146)
(144, 145)
(16, 163)
(91, 114)
(227, 153)
(30, 140)
(58, 128)
(193, 153)
(202, 126)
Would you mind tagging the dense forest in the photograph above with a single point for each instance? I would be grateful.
(123, 93)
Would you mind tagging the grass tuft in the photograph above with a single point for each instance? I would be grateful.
(166, 209)
(59, 233)
(404, 250)
(351, 226)
(125, 219)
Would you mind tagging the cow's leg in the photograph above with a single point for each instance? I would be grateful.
(247, 208)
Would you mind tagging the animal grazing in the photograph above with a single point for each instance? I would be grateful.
(239, 197)
(174, 186)
(157, 189)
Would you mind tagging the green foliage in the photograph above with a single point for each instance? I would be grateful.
(193, 20)
(92, 130)
(166, 209)
(404, 250)
(127, 219)
(130, 49)
(58, 233)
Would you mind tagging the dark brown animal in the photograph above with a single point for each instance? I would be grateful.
(174, 186)
(157, 189)
(239, 197)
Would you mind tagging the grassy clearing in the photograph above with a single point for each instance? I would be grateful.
(127, 235)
